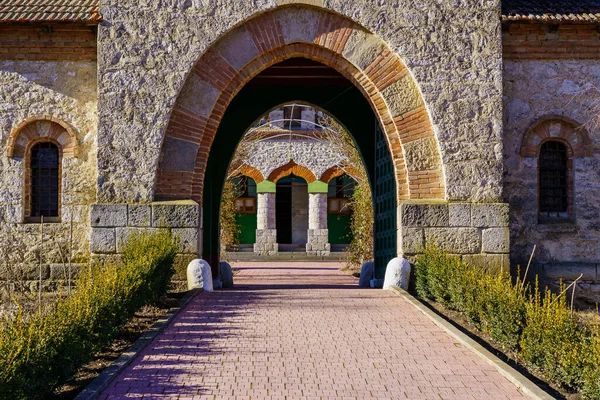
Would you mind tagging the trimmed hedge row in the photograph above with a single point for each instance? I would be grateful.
(41, 353)
(540, 328)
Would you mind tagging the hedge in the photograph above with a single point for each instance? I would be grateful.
(540, 328)
(42, 352)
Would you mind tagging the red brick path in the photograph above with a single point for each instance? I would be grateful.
(305, 331)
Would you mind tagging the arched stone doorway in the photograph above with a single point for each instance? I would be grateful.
(366, 81)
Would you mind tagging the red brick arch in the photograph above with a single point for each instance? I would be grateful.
(557, 128)
(385, 81)
(292, 168)
(334, 172)
(39, 127)
(250, 172)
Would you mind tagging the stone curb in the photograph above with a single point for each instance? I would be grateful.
(528, 387)
(101, 382)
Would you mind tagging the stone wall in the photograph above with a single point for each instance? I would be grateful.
(567, 89)
(111, 225)
(318, 157)
(66, 91)
(479, 233)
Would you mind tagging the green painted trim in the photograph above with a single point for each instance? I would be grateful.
(318, 187)
(266, 187)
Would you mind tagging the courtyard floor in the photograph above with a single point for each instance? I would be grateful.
(305, 331)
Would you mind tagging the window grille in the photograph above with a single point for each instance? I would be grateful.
(292, 116)
(44, 180)
(553, 178)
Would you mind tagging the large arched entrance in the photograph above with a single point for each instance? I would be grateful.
(155, 163)
(320, 58)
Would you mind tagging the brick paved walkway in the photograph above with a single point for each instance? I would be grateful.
(305, 331)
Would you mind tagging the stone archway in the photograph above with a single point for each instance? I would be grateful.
(319, 35)
(460, 162)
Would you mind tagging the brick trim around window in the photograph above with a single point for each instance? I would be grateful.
(577, 144)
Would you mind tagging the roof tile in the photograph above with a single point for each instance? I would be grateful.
(87, 10)
(551, 10)
(49, 11)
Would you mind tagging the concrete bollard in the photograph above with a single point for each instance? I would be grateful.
(226, 274)
(199, 275)
(366, 274)
(397, 273)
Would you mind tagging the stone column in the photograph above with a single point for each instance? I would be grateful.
(266, 232)
(318, 234)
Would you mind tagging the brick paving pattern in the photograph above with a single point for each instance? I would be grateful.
(305, 331)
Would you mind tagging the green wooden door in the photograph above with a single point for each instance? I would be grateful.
(385, 205)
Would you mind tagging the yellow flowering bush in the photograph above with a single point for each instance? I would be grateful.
(41, 352)
(542, 330)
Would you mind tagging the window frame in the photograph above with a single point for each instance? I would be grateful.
(27, 187)
(343, 209)
(292, 122)
(546, 217)
(245, 209)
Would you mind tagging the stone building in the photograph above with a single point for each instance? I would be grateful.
(298, 180)
(475, 120)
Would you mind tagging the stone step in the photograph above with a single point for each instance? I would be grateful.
(282, 256)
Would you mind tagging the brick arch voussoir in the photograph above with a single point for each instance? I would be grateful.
(29, 131)
(292, 168)
(335, 172)
(568, 132)
(328, 58)
(250, 172)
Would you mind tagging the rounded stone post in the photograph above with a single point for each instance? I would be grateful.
(318, 234)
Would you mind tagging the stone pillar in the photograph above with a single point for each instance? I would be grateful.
(318, 234)
(266, 232)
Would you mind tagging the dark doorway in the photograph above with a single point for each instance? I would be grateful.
(283, 212)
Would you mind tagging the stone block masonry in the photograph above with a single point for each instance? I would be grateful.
(318, 234)
(266, 242)
(111, 224)
(478, 232)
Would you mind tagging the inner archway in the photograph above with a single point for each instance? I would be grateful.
(342, 100)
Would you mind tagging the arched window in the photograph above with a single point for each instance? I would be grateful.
(44, 180)
(553, 179)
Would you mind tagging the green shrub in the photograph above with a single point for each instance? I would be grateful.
(555, 344)
(41, 353)
(490, 302)
(436, 272)
(502, 312)
(591, 373)
(542, 330)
